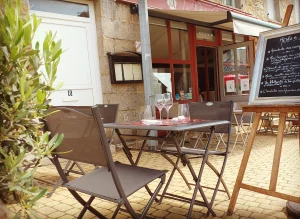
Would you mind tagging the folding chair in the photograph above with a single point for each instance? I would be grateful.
(85, 141)
(205, 111)
(243, 124)
(109, 114)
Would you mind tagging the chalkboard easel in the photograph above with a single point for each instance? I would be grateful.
(283, 111)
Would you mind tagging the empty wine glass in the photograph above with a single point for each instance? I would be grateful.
(159, 103)
(183, 113)
(168, 103)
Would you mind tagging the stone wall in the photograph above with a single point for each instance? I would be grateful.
(24, 4)
(117, 31)
(257, 8)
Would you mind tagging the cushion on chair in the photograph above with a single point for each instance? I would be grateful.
(100, 183)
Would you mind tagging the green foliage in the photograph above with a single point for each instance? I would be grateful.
(24, 100)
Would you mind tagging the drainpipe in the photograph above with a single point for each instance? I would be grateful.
(146, 49)
(146, 60)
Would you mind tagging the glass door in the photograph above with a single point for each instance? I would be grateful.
(235, 70)
(207, 73)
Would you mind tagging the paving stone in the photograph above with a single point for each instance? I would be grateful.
(243, 213)
(57, 214)
(249, 204)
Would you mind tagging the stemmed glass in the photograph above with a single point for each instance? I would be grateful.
(159, 103)
(168, 103)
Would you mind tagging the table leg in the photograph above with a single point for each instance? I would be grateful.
(140, 152)
(198, 179)
(243, 165)
(277, 152)
(125, 148)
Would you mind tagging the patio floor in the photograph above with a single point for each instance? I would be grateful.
(249, 204)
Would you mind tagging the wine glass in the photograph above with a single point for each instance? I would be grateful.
(168, 103)
(183, 113)
(159, 103)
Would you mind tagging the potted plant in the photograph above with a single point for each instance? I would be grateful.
(24, 100)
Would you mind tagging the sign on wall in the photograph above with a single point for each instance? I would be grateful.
(276, 76)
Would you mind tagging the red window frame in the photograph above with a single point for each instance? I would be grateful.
(193, 43)
(172, 61)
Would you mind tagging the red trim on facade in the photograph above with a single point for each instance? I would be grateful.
(193, 55)
(206, 75)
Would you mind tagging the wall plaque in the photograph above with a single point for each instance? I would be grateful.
(276, 76)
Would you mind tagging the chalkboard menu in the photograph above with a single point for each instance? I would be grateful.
(281, 69)
(276, 76)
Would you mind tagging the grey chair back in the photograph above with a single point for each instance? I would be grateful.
(109, 112)
(212, 111)
(82, 141)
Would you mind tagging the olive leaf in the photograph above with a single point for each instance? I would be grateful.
(24, 100)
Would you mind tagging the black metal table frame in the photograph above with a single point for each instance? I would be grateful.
(172, 137)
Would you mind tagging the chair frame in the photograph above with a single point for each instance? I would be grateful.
(181, 155)
(197, 178)
(112, 169)
(69, 168)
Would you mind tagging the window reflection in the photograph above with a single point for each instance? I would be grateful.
(180, 41)
(158, 38)
(60, 7)
(228, 60)
(162, 82)
(183, 85)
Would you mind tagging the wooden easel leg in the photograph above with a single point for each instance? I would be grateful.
(277, 152)
(299, 129)
(243, 166)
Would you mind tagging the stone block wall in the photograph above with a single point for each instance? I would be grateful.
(117, 31)
(257, 8)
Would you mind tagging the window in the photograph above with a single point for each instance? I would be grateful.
(180, 41)
(234, 3)
(60, 7)
(171, 59)
(158, 38)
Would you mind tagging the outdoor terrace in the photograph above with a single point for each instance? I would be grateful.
(249, 204)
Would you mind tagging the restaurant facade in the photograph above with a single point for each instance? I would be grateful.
(201, 50)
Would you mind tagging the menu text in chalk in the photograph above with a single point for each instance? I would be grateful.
(276, 75)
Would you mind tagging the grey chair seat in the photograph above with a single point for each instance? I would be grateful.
(99, 182)
(192, 151)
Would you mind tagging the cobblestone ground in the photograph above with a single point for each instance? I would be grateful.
(249, 204)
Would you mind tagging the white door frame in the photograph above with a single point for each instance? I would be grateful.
(98, 96)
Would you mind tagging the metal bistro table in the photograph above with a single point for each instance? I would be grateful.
(173, 129)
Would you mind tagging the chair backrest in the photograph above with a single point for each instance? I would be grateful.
(109, 112)
(83, 109)
(82, 141)
(212, 111)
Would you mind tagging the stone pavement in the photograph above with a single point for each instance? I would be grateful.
(249, 204)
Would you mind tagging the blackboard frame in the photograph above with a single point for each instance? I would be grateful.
(254, 98)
